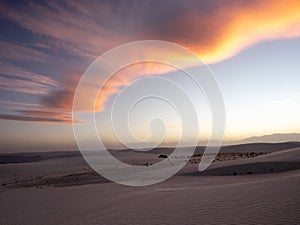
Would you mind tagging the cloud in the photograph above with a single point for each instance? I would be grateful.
(12, 71)
(127, 75)
(50, 116)
(17, 79)
(215, 30)
(75, 25)
(63, 98)
(218, 33)
(19, 52)
(13, 105)
(35, 119)
(36, 113)
(23, 86)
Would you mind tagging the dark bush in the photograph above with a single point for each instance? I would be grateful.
(163, 156)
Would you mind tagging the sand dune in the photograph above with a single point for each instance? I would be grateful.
(190, 197)
(241, 148)
(281, 161)
(177, 201)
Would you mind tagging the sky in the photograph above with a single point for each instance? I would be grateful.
(251, 47)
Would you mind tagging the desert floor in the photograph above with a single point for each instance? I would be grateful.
(261, 187)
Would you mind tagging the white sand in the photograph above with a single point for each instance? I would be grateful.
(264, 198)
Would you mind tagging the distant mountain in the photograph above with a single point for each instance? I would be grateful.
(273, 138)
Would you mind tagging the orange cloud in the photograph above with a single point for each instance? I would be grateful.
(229, 30)
(234, 27)
(215, 30)
(280, 19)
(217, 36)
(127, 75)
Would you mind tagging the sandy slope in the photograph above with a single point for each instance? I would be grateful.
(280, 161)
(269, 199)
(188, 198)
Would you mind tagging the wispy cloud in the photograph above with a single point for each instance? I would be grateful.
(215, 30)
(23, 86)
(45, 119)
(78, 27)
(13, 71)
(36, 113)
(19, 52)
(13, 105)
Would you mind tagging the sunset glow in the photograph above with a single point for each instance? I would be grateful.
(43, 60)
